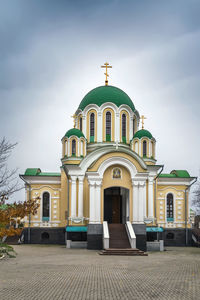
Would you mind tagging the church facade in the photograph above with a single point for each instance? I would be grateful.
(109, 173)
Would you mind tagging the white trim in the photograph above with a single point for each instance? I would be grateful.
(117, 161)
(174, 207)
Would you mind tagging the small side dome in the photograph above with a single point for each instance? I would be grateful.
(143, 133)
(74, 131)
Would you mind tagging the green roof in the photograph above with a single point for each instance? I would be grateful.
(74, 131)
(143, 133)
(32, 171)
(103, 94)
(181, 173)
(37, 172)
(176, 174)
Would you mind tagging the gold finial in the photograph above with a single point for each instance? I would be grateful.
(74, 117)
(106, 65)
(143, 118)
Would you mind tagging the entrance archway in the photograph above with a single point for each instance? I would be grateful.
(116, 205)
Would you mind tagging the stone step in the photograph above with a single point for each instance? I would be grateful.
(123, 251)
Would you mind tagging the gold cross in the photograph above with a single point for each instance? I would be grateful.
(143, 118)
(74, 117)
(106, 65)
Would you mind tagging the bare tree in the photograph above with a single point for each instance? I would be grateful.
(8, 180)
(196, 197)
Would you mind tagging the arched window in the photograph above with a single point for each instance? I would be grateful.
(108, 126)
(92, 127)
(80, 123)
(124, 128)
(73, 147)
(45, 206)
(144, 148)
(170, 207)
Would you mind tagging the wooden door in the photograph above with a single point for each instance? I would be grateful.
(116, 209)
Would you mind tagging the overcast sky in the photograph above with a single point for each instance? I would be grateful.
(50, 57)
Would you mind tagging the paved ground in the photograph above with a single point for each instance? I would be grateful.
(53, 272)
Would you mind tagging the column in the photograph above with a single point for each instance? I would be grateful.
(135, 202)
(80, 196)
(73, 196)
(144, 200)
(98, 202)
(99, 127)
(92, 201)
(150, 198)
(141, 202)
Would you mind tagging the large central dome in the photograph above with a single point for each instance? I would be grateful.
(103, 94)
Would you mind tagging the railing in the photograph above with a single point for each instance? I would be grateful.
(106, 235)
(131, 234)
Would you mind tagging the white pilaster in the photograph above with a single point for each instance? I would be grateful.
(150, 149)
(92, 202)
(117, 128)
(78, 146)
(98, 203)
(84, 125)
(135, 202)
(144, 200)
(66, 147)
(131, 128)
(73, 196)
(150, 198)
(140, 148)
(141, 202)
(99, 127)
(80, 196)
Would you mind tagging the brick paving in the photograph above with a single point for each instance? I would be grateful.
(53, 272)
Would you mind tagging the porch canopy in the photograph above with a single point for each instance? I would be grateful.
(76, 228)
(154, 229)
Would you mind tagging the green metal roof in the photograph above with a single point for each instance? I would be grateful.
(103, 94)
(143, 133)
(181, 173)
(37, 172)
(176, 174)
(32, 171)
(74, 131)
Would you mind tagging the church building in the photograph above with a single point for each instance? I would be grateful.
(109, 180)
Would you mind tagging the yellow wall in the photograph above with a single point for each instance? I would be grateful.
(37, 190)
(108, 181)
(178, 192)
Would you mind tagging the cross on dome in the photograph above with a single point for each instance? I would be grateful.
(143, 118)
(106, 65)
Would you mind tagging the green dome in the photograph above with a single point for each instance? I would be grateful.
(103, 94)
(75, 132)
(143, 133)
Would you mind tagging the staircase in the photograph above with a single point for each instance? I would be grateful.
(119, 242)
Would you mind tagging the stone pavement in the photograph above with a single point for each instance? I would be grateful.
(53, 272)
